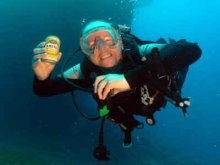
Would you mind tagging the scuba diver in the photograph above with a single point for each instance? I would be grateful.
(127, 76)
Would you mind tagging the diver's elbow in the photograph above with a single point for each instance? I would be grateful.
(196, 53)
(37, 91)
(192, 51)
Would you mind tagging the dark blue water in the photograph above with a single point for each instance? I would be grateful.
(49, 131)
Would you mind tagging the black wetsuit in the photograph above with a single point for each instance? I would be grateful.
(176, 58)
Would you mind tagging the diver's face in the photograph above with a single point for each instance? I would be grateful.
(104, 55)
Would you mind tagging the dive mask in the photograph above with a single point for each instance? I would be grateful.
(99, 38)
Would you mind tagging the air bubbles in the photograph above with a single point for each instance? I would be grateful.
(83, 21)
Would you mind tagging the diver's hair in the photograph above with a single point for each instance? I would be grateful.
(112, 24)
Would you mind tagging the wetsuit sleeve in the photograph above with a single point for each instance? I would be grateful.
(173, 57)
(54, 86)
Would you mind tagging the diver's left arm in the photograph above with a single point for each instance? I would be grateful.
(173, 57)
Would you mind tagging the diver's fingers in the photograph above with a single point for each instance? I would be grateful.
(39, 56)
(101, 87)
(114, 92)
(42, 44)
(34, 63)
(97, 80)
(107, 90)
(39, 50)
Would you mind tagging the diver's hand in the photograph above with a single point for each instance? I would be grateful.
(42, 69)
(113, 83)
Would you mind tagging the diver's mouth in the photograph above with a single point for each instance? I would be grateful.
(106, 56)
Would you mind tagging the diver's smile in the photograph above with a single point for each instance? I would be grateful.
(105, 56)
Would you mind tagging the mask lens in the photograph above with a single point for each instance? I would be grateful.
(105, 36)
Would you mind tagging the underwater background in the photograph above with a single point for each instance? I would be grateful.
(49, 131)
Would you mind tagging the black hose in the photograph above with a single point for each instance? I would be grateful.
(78, 109)
(68, 81)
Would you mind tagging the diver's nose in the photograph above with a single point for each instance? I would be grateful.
(99, 44)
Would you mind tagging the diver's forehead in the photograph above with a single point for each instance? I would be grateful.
(96, 25)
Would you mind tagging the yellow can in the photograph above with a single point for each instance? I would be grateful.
(52, 49)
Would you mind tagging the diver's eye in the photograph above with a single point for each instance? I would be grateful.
(109, 41)
(92, 48)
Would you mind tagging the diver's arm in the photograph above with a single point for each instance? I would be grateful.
(174, 57)
(146, 49)
(178, 55)
(57, 85)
